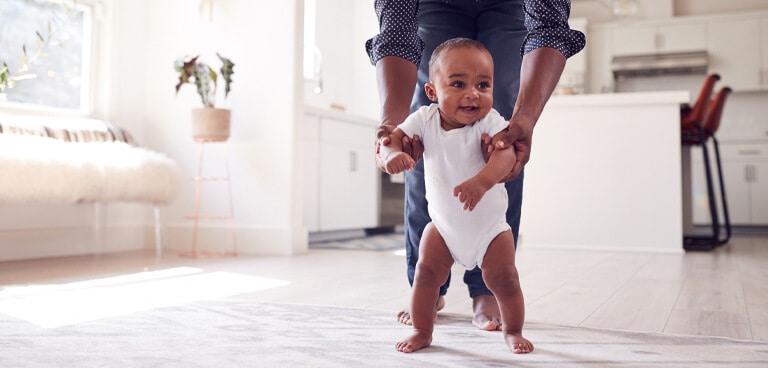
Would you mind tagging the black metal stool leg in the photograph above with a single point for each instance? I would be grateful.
(726, 215)
(706, 242)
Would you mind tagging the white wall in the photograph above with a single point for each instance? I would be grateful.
(143, 38)
(261, 38)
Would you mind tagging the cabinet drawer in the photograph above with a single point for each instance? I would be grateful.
(334, 131)
(744, 151)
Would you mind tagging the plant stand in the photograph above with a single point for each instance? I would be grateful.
(199, 180)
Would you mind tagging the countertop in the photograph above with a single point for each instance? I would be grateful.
(619, 99)
(340, 115)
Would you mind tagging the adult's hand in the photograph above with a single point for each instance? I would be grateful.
(539, 73)
(518, 136)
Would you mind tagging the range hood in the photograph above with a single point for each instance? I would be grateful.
(649, 65)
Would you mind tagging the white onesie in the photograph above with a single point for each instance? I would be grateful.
(450, 158)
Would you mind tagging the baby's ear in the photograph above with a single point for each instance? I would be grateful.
(429, 88)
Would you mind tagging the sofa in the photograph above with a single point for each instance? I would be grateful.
(81, 161)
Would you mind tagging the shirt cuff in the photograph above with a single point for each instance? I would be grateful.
(568, 42)
(377, 49)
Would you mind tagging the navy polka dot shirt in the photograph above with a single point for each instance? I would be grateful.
(546, 20)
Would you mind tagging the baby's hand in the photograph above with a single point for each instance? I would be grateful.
(470, 193)
(398, 162)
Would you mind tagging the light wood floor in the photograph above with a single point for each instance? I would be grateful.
(719, 293)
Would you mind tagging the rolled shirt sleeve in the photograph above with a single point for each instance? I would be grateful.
(547, 23)
(398, 31)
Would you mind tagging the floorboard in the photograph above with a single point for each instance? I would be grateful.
(719, 293)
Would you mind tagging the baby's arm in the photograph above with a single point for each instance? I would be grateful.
(395, 160)
(471, 191)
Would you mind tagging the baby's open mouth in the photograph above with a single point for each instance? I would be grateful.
(469, 109)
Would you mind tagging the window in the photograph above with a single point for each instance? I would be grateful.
(309, 39)
(313, 59)
(57, 38)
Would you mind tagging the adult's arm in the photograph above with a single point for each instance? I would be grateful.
(539, 74)
(396, 79)
(549, 43)
(395, 51)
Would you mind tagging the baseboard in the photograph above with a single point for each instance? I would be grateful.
(245, 240)
(35, 243)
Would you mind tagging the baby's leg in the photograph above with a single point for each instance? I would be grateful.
(432, 270)
(500, 274)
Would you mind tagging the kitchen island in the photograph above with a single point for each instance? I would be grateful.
(606, 172)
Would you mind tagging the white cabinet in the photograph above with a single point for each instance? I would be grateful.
(642, 38)
(746, 181)
(735, 53)
(311, 171)
(341, 185)
(745, 172)
(348, 176)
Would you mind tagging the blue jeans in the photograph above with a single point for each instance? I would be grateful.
(498, 24)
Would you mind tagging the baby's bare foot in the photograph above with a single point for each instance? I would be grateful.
(517, 343)
(487, 316)
(404, 316)
(418, 340)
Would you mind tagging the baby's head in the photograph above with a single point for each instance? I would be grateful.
(461, 81)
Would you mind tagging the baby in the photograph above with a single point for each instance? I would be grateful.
(471, 230)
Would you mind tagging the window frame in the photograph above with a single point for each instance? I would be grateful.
(89, 74)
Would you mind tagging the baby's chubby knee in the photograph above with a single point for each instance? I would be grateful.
(430, 273)
(502, 281)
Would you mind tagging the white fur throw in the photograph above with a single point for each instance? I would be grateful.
(47, 170)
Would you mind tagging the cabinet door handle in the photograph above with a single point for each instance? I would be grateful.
(749, 173)
(752, 173)
(749, 152)
(352, 161)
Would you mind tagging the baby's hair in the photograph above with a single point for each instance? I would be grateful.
(452, 44)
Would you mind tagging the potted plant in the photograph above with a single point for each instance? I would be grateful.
(209, 124)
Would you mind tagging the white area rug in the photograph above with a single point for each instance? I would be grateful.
(232, 332)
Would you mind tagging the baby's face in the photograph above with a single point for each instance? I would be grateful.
(462, 83)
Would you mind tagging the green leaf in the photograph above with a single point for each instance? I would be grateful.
(227, 69)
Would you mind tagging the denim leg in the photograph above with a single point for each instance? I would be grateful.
(502, 30)
(438, 21)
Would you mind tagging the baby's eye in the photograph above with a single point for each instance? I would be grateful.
(458, 84)
(484, 85)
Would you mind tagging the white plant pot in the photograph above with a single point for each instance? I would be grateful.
(210, 124)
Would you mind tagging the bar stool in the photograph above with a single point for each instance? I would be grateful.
(698, 133)
(692, 115)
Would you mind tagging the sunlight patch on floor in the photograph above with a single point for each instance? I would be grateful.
(54, 305)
